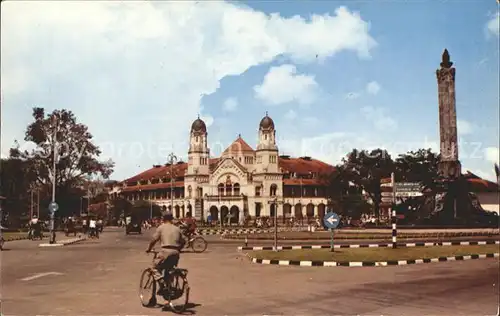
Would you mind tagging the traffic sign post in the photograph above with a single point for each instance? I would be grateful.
(331, 221)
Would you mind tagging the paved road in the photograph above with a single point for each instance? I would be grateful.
(100, 278)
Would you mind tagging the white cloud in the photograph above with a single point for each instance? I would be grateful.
(373, 87)
(282, 85)
(310, 121)
(332, 147)
(492, 154)
(464, 127)
(492, 26)
(352, 95)
(291, 115)
(230, 104)
(380, 119)
(148, 62)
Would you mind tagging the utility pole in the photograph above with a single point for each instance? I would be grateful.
(31, 203)
(54, 178)
(172, 158)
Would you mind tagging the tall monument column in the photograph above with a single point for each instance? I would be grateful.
(449, 166)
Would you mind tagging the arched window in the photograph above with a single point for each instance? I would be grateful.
(190, 191)
(273, 190)
(221, 188)
(257, 191)
(199, 192)
(236, 189)
(229, 189)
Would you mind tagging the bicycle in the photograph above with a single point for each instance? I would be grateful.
(176, 286)
(197, 243)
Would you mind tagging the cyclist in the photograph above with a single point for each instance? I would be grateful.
(172, 241)
(189, 225)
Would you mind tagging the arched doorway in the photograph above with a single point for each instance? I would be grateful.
(235, 214)
(223, 213)
(214, 213)
(170, 208)
(287, 211)
(164, 208)
(298, 210)
(183, 210)
(177, 211)
(190, 209)
(321, 211)
(310, 210)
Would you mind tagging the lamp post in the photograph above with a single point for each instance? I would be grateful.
(275, 202)
(172, 159)
(54, 177)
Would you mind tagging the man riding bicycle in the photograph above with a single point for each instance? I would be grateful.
(188, 225)
(172, 241)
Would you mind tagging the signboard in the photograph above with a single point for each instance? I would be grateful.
(407, 186)
(198, 209)
(331, 221)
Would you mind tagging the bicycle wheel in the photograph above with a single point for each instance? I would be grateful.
(199, 244)
(147, 289)
(177, 294)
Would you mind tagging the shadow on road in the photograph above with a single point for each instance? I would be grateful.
(189, 309)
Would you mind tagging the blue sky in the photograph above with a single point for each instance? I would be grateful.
(332, 75)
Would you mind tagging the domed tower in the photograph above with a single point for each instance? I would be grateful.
(267, 151)
(198, 154)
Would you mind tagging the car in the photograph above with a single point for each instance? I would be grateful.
(133, 227)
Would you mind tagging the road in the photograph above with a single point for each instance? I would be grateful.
(101, 278)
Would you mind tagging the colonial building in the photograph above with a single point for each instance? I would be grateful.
(241, 181)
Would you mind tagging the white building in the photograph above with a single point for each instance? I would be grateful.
(241, 181)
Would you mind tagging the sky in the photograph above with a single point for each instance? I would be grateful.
(332, 75)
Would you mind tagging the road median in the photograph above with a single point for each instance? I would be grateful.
(373, 256)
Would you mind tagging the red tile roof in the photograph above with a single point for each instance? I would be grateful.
(304, 166)
(160, 172)
(238, 146)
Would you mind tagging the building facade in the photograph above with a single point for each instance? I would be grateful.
(242, 181)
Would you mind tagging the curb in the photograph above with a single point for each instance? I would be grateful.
(347, 237)
(65, 242)
(234, 231)
(370, 263)
(386, 245)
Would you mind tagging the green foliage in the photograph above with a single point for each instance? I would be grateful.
(77, 154)
(418, 166)
(366, 169)
(143, 208)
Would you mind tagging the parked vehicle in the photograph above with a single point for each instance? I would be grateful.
(133, 226)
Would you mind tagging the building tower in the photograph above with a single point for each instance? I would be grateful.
(267, 151)
(198, 168)
(198, 153)
(449, 166)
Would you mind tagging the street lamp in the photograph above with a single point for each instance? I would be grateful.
(172, 159)
(275, 202)
(54, 160)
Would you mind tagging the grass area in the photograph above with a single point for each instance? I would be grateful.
(11, 235)
(373, 254)
(341, 235)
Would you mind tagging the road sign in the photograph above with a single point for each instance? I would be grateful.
(331, 220)
(408, 187)
(53, 207)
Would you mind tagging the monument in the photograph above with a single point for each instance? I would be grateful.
(453, 203)
(449, 165)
